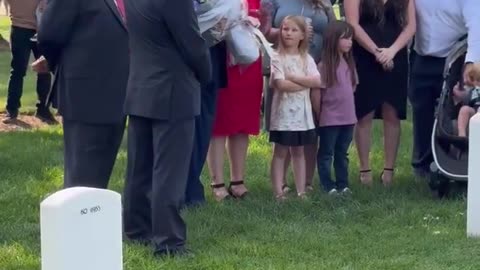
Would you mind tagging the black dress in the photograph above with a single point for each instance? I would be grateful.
(377, 86)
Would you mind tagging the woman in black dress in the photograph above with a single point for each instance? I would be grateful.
(383, 29)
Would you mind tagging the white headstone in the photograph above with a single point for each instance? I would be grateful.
(473, 195)
(81, 229)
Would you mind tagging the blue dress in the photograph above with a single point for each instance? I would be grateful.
(320, 19)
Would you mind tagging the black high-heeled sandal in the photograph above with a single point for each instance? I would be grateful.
(218, 186)
(230, 190)
(369, 182)
(386, 183)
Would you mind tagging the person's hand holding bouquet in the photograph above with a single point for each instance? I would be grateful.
(40, 65)
(253, 21)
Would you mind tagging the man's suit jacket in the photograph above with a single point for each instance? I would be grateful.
(169, 60)
(86, 45)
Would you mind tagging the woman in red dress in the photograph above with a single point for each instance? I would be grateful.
(237, 117)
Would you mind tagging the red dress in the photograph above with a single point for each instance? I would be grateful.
(238, 105)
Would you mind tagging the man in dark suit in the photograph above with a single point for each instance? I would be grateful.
(85, 44)
(169, 60)
(194, 194)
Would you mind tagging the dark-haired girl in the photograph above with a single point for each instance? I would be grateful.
(334, 106)
(383, 29)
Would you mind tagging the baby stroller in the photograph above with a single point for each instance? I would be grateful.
(450, 152)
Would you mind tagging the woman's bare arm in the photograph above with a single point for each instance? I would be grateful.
(267, 13)
(352, 15)
(409, 30)
(405, 36)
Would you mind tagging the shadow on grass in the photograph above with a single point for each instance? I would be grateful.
(20, 124)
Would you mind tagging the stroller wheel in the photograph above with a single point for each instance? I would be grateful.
(439, 185)
(443, 188)
(434, 177)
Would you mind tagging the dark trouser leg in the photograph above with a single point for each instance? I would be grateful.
(137, 211)
(172, 144)
(425, 88)
(328, 137)
(267, 99)
(43, 83)
(411, 54)
(90, 152)
(340, 163)
(21, 48)
(203, 131)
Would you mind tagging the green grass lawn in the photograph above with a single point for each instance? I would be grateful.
(401, 228)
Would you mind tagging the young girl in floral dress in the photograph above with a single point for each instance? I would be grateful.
(294, 73)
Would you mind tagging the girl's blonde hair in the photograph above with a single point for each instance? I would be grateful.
(475, 73)
(303, 45)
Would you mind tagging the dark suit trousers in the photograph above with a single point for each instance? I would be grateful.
(158, 160)
(426, 81)
(22, 47)
(90, 152)
(203, 132)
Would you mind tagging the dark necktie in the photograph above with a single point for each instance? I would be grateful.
(121, 8)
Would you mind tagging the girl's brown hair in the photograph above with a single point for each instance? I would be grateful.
(331, 55)
(303, 45)
(376, 8)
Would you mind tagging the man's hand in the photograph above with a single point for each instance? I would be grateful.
(41, 65)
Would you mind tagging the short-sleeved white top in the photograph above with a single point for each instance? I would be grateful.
(292, 111)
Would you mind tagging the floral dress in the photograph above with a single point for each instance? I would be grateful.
(291, 120)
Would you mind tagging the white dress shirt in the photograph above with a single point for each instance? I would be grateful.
(440, 23)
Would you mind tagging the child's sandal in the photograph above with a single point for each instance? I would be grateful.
(302, 195)
(281, 197)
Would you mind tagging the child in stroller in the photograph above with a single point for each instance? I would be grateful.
(469, 98)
